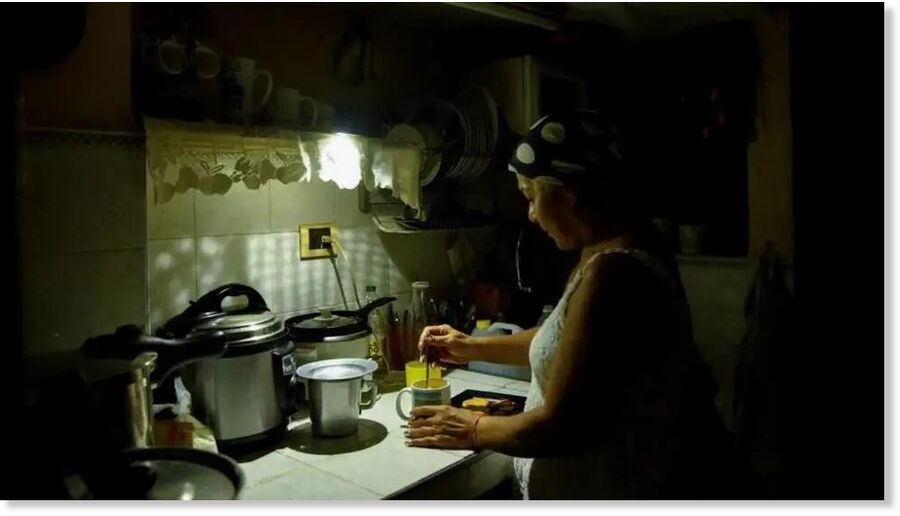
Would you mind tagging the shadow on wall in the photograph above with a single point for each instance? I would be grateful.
(425, 257)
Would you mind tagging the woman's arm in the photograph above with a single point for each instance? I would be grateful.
(506, 349)
(456, 347)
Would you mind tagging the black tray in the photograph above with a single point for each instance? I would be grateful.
(458, 400)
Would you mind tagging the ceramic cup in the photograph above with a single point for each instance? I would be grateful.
(415, 371)
(247, 76)
(172, 59)
(437, 392)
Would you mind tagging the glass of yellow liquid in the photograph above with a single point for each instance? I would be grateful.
(415, 371)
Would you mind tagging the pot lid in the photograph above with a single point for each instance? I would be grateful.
(244, 328)
(327, 319)
(185, 474)
(338, 369)
(327, 326)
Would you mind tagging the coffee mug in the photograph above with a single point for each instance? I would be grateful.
(285, 107)
(415, 371)
(437, 392)
(172, 59)
(246, 75)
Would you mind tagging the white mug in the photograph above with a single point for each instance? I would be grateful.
(246, 75)
(285, 107)
(437, 392)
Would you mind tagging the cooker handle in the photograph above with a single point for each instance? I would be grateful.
(212, 300)
(210, 304)
(381, 301)
(284, 368)
(129, 341)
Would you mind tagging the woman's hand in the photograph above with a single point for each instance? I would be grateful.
(445, 344)
(442, 427)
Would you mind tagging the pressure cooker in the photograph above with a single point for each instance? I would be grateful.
(123, 369)
(245, 396)
(333, 334)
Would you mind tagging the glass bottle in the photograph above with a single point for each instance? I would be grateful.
(377, 339)
(421, 315)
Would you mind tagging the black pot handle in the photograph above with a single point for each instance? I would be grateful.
(129, 341)
(381, 301)
(212, 300)
(210, 305)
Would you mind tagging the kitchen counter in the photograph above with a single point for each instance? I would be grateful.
(375, 463)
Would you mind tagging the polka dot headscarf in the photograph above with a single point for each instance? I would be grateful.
(568, 148)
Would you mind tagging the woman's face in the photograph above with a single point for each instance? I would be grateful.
(552, 208)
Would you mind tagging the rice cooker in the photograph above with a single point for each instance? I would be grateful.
(333, 334)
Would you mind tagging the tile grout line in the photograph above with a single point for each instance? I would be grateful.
(331, 474)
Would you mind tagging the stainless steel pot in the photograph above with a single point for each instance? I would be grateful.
(336, 390)
(245, 395)
(127, 396)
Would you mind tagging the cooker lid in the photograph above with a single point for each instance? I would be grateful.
(337, 370)
(246, 333)
(183, 474)
(327, 326)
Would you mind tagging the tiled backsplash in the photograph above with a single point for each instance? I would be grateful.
(197, 242)
(81, 215)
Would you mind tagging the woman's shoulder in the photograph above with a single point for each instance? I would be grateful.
(617, 269)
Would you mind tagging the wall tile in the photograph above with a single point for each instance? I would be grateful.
(172, 219)
(70, 297)
(247, 259)
(172, 280)
(346, 210)
(82, 197)
(299, 285)
(368, 258)
(301, 203)
(241, 211)
(415, 257)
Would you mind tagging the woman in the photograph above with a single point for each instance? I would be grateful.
(621, 402)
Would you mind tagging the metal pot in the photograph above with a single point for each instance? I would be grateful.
(126, 396)
(182, 474)
(335, 390)
(328, 334)
(245, 395)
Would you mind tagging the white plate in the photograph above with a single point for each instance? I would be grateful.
(408, 134)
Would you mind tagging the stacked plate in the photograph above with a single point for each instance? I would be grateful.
(423, 138)
(478, 114)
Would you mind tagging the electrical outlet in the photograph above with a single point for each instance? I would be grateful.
(311, 245)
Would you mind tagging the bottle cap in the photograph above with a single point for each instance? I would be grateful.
(483, 324)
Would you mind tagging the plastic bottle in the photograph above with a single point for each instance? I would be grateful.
(483, 327)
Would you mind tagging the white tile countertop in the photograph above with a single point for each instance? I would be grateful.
(354, 468)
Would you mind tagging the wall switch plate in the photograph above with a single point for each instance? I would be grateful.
(311, 245)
